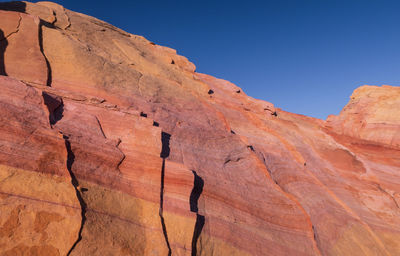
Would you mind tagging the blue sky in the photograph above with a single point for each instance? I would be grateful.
(304, 56)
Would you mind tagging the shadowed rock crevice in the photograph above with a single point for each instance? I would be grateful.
(55, 107)
(123, 155)
(198, 185)
(165, 150)
(49, 71)
(101, 128)
(3, 46)
(75, 183)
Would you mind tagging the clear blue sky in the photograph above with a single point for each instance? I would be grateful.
(304, 56)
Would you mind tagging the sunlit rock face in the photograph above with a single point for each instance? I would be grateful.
(373, 114)
(112, 145)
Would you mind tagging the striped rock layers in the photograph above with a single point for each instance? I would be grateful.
(112, 145)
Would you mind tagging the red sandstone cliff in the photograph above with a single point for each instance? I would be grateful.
(112, 145)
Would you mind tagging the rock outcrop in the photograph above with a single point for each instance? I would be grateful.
(112, 145)
(373, 114)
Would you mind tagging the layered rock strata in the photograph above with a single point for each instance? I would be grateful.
(113, 145)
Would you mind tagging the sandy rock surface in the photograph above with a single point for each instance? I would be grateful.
(113, 145)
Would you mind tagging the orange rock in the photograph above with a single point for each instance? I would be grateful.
(37, 198)
(21, 33)
(373, 114)
(121, 145)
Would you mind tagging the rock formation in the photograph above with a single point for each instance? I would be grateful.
(113, 145)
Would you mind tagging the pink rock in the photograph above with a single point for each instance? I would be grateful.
(130, 152)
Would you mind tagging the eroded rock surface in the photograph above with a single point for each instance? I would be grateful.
(373, 114)
(112, 145)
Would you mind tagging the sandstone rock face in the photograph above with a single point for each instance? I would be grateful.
(19, 41)
(373, 114)
(112, 145)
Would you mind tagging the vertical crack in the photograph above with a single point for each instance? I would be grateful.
(3, 46)
(75, 183)
(165, 150)
(49, 71)
(198, 185)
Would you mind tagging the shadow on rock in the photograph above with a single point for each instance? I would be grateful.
(3, 46)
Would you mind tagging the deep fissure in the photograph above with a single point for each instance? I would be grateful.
(55, 106)
(198, 185)
(40, 38)
(75, 183)
(3, 46)
(165, 150)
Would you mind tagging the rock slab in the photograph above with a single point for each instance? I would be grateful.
(113, 145)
